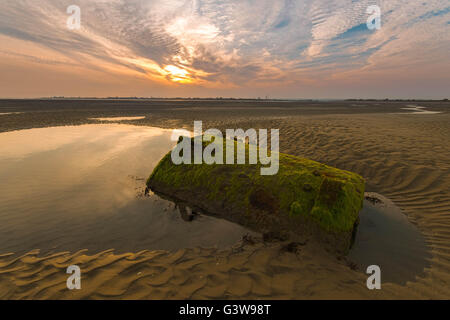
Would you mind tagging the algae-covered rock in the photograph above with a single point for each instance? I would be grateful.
(305, 199)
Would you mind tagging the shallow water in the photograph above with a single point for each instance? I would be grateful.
(81, 187)
(386, 238)
(8, 113)
(419, 110)
(112, 119)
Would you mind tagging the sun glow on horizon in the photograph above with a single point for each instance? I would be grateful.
(177, 74)
(289, 49)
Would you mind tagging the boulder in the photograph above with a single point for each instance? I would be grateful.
(305, 200)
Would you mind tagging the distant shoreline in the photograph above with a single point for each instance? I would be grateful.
(217, 99)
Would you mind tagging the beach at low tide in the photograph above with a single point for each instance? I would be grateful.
(402, 155)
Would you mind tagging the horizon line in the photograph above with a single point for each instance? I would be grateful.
(225, 98)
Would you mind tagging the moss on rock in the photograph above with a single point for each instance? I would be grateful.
(306, 198)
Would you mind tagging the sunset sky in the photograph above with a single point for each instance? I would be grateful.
(237, 48)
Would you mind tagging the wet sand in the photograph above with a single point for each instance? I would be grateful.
(403, 156)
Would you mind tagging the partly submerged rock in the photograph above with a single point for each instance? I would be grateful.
(306, 199)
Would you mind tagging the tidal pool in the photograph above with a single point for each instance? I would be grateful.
(386, 238)
(112, 119)
(8, 113)
(81, 187)
(419, 110)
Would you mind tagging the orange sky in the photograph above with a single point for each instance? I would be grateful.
(193, 48)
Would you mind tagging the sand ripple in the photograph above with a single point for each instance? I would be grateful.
(405, 158)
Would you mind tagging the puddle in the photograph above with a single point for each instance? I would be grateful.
(386, 238)
(7, 113)
(81, 187)
(419, 110)
(112, 119)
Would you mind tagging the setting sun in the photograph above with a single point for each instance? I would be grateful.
(177, 74)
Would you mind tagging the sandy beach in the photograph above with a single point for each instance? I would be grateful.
(402, 155)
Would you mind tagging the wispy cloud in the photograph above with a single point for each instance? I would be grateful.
(233, 44)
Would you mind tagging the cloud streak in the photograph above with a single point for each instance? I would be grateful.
(227, 45)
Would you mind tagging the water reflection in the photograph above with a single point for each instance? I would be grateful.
(386, 238)
(112, 119)
(71, 188)
(419, 110)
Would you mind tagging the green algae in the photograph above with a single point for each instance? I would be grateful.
(303, 191)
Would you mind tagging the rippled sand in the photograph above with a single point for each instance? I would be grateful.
(404, 157)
